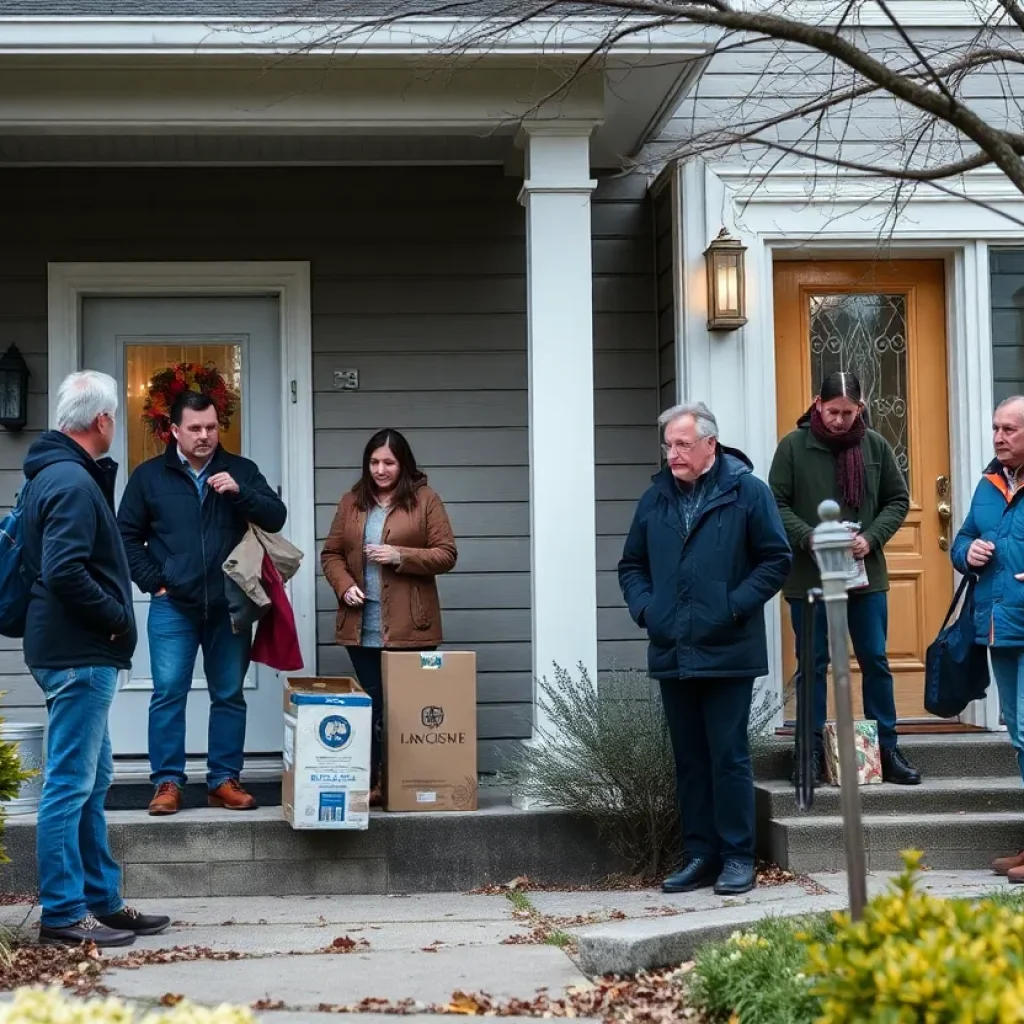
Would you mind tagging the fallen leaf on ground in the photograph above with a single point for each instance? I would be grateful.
(170, 999)
(345, 944)
(267, 1004)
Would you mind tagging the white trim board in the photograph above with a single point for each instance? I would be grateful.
(69, 283)
(414, 36)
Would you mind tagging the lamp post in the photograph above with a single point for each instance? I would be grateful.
(832, 547)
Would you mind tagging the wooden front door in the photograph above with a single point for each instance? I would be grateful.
(885, 322)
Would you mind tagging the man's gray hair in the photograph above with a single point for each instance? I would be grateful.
(703, 418)
(82, 397)
(1012, 400)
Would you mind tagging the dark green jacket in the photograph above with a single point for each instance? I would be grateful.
(803, 475)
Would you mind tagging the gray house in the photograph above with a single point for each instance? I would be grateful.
(418, 224)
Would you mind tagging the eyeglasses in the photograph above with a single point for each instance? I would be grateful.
(681, 446)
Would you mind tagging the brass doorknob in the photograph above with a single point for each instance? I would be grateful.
(945, 511)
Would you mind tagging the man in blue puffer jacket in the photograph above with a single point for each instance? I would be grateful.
(706, 552)
(991, 544)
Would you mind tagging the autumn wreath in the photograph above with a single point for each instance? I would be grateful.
(165, 386)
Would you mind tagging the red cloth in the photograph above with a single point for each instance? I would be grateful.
(277, 640)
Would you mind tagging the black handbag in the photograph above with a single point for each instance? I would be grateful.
(956, 668)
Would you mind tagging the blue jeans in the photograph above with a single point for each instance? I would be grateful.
(77, 874)
(1008, 668)
(175, 637)
(868, 617)
(707, 722)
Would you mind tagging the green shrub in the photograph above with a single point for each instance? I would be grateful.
(915, 957)
(608, 758)
(12, 775)
(759, 977)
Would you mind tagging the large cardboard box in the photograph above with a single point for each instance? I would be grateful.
(327, 730)
(430, 731)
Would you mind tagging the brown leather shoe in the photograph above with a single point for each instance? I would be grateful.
(231, 796)
(1004, 865)
(166, 800)
(1015, 876)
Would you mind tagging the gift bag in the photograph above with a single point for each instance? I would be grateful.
(869, 754)
(856, 570)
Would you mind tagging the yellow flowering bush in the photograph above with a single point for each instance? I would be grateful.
(48, 1006)
(917, 959)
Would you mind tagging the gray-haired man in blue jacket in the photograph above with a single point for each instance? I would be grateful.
(705, 553)
(79, 633)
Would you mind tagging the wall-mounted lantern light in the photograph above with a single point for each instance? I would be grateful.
(727, 300)
(13, 390)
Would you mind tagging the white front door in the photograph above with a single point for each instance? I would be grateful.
(131, 339)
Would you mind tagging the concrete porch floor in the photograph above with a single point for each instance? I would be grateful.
(211, 852)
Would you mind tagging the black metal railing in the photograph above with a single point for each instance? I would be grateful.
(805, 739)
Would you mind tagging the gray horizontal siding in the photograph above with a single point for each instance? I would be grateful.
(419, 283)
(626, 381)
(665, 271)
(750, 85)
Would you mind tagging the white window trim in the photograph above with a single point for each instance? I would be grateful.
(69, 283)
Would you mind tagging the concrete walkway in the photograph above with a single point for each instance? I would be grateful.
(423, 948)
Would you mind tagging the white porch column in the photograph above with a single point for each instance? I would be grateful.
(563, 562)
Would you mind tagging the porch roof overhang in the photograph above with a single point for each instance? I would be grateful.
(73, 76)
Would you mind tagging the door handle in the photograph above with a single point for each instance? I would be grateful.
(945, 511)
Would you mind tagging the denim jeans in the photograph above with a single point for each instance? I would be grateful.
(175, 637)
(77, 874)
(868, 617)
(1008, 668)
(707, 722)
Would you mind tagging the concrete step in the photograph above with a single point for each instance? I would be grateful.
(968, 840)
(212, 852)
(776, 799)
(943, 755)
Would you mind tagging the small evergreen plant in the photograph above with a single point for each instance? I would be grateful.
(607, 755)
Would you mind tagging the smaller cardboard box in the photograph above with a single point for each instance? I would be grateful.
(869, 756)
(430, 731)
(327, 730)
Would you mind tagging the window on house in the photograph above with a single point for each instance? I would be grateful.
(1006, 267)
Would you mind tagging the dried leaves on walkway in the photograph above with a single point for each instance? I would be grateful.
(647, 999)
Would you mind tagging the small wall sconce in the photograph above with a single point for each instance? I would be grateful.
(13, 390)
(727, 298)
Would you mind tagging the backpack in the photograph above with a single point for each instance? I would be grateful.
(15, 583)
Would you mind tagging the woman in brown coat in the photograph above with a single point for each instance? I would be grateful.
(389, 540)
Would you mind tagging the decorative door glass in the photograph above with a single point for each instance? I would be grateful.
(142, 361)
(866, 334)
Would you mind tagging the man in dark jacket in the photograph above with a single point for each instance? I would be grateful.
(182, 514)
(79, 632)
(705, 553)
(833, 454)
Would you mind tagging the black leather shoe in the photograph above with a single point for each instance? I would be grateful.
(86, 930)
(898, 770)
(819, 768)
(699, 873)
(737, 877)
(128, 919)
